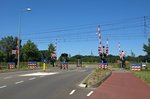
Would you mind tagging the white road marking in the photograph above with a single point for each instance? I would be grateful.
(82, 70)
(72, 92)
(32, 78)
(2, 87)
(19, 82)
(42, 76)
(89, 94)
(8, 77)
(39, 74)
(82, 85)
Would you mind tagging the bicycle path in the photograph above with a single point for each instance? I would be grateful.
(122, 85)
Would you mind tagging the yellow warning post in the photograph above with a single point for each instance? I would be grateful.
(44, 67)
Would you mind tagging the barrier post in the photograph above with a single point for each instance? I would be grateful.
(11, 65)
(32, 65)
(44, 67)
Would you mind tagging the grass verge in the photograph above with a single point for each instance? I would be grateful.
(96, 77)
(144, 75)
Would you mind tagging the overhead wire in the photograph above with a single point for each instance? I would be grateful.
(75, 33)
(80, 27)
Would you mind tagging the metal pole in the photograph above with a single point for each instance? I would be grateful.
(19, 32)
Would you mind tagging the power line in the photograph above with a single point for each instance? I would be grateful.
(83, 27)
(88, 31)
(92, 38)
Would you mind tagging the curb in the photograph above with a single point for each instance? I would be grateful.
(102, 80)
(84, 85)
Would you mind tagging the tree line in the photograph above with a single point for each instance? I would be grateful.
(111, 59)
(30, 52)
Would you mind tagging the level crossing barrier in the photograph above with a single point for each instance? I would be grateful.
(136, 67)
(11, 65)
(32, 65)
(103, 65)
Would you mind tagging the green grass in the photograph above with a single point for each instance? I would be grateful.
(95, 77)
(144, 75)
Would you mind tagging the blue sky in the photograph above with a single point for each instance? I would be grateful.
(74, 24)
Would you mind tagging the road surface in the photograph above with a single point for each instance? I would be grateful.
(39, 85)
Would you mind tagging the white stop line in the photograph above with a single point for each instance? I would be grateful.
(40, 74)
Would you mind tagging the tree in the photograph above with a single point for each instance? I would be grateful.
(146, 48)
(1, 56)
(132, 54)
(30, 51)
(84, 58)
(52, 52)
(142, 58)
(7, 44)
(112, 58)
(44, 54)
(51, 48)
(132, 57)
(64, 57)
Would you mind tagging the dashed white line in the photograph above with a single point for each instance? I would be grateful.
(2, 87)
(32, 78)
(8, 77)
(19, 82)
(42, 76)
(72, 92)
(82, 70)
(89, 94)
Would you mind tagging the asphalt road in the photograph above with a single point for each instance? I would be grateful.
(39, 85)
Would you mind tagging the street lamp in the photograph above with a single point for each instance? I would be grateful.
(19, 32)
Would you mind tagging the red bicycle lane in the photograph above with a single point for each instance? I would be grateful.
(122, 85)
